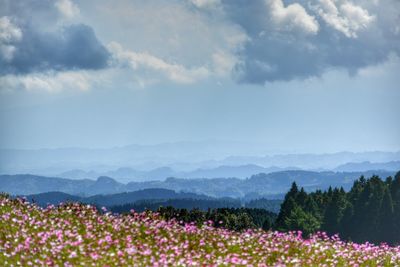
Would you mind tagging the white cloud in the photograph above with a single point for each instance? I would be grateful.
(145, 62)
(205, 3)
(9, 34)
(344, 16)
(174, 31)
(391, 65)
(67, 8)
(223, 63)
(292, 17)
(188, 41)
(51, 82)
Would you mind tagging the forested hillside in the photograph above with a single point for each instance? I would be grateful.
(370, 211)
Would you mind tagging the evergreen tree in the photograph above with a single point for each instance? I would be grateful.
(303, 221)
(334, 212)
(286, 207)
(267, 225)
(386, 222)
(292, 192)
(368, 212)
(395, 193)
(311, 206)
(347, 226)
(301, 197)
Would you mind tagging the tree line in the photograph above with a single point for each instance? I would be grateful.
(370, 211)
(184, 203)
(236, 219)
(202, 204)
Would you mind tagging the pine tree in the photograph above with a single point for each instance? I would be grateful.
(302, 221)
(288, 205)
(301, 197)
(334, 212)
(347, 225)
(395, 193)
(267, 225)
(292, 192)
(386, 219)
(311, 206)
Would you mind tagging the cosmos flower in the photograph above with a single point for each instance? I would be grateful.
(73, 234)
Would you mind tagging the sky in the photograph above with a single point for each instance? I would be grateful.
(299, 76)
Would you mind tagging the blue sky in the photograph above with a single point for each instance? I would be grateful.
(304, 76)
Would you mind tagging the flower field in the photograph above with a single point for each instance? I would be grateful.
(78, 235)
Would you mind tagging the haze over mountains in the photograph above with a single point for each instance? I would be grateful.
(272, 185)
(209, 169)
(153, 199)
(129, 174)
(366, 165)
(183, 175)
(205, 159)
(114, 199)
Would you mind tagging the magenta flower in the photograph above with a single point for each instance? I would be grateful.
(76, 235)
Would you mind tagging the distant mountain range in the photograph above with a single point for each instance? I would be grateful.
(366, 165)
(271, 185)
(130, 174)
(203, 159)
(152, 194)
(152, 199)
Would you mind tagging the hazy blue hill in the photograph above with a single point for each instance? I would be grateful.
(131, 197)
(257, 186)
(241, 171)
(78, 174)
(160, 173)
(260, 185)
(54, 198)
(153, 199)
(129, 174)
(105, 185)
(328, 161)
(199, 156)
(216, 187)
(31, 184)
(152, 195)
(366, 165)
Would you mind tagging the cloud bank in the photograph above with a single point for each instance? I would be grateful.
(26, 48)
(145, 62)
(188, 41)
(305, 39)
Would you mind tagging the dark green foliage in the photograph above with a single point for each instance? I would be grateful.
(300, 220)
(386, 221)
(189, 204)
(286, 208)
(334, 211)
(267, 225)
(237, 219)
(368, 212)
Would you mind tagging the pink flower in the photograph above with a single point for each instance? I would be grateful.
(94, 255)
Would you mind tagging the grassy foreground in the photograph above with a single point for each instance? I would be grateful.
(77, 235)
